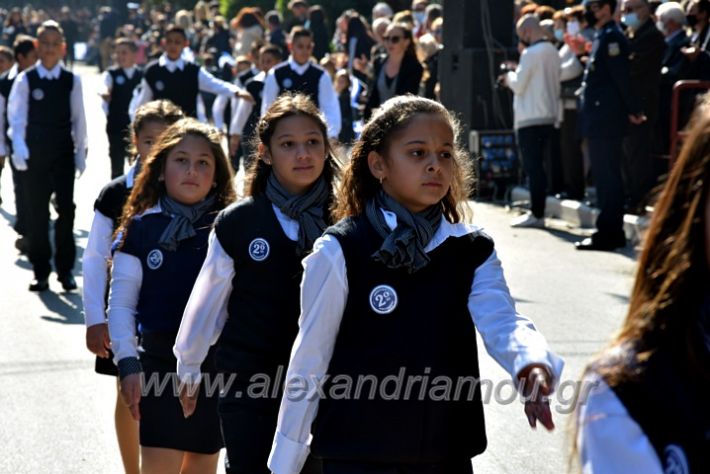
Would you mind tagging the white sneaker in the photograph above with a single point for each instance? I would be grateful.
(528, 220)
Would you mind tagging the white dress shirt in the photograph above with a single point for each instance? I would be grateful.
(4, 151)
(126, 281)
(95, 263)
(206, 82)
(609, 440)
(242, 109)
(107, 80)
(220, 103)
(327, 98)
(206, 310)
(18, 108)
(509, 337)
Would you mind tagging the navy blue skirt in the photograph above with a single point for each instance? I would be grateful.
(162, 424)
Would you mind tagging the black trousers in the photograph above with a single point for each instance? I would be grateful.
(640, 168)
(572, 158)
(20, 225)
(533, 143)
(117, 152)
(49, 171)
(462, 466)
(605, 156)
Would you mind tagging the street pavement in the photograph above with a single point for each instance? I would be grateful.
(57, 414)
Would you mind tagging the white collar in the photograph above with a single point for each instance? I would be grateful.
(299, 68)
(14, 71)
(45, 73)
(151, 210)
(446, 229)
(129, 71)
(261, 77)
(170, 64)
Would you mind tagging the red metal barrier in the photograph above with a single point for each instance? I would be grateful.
(677, 135)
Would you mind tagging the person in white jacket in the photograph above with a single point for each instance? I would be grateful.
(536, 105)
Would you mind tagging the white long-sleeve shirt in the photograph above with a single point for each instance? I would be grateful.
(609, 440)
(95, 263)
(206, 310)
(206, 82)
(509, 337)
(536, 86)
(242, 109)
(327, 98)
(18, 109)
(4, 149)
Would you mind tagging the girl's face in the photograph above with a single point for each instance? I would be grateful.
(395, 41)
(189, 170)
(50, 48)
(419, 164)
(147, 135)
(297, 153)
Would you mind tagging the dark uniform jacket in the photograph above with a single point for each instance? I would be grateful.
(647, 48)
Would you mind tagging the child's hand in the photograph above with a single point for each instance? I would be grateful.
(536, 385)
(97, 340)
(188, 398)
(131, 394)
(243, 94)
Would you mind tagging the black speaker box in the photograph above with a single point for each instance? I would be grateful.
(467, 22)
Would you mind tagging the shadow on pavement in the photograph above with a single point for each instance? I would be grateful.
(66, 307)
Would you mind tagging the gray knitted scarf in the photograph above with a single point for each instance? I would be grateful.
(404, 246)
(307, 209)
(183, 219)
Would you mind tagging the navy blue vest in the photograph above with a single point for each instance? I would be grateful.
(264, 305)
(307, 83)
(418, 323)
(5, 88)
(670, 404)
(179, 87)
(49, 115)
(256, 89)
(112, 198)
(168, 277)
(121, 94)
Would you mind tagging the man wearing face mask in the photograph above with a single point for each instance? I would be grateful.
(698, 53)
(647, 47)
(607, 106)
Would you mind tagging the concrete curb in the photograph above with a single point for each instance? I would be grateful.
(578, 214)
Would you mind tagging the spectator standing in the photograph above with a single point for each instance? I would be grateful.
(398, 72)
(536, 105)
(249, 26)
(647, 48)
(607, 106)
(698, 54)
(316, 23)
(299, 14)
(71, 33)
(275, 33)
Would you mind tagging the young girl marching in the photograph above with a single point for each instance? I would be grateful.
(398, 288)
(246, 298)
(151, 120)
(162, 244)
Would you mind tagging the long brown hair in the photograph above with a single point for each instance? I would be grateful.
(673, 270)
(359, 185)
(149, 187)
(287, 105)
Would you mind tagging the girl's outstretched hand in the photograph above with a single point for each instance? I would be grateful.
(536, 385)
(131, 394)
(188, 398)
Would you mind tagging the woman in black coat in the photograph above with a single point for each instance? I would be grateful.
(398, 72)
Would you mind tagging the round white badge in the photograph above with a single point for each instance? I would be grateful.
(120, 80)
(676, 462)
(259, 249)
(154, 259)
(288, 83)
(159, 85)
(38, 94)
(383, 299)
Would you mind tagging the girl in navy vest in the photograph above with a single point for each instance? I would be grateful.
(648, 410)
(397, 289)
(162, 244)
(246, 299)
(151, 120)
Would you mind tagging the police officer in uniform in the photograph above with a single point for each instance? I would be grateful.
(607, 107)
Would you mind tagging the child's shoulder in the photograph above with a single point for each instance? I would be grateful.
(239, 212)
